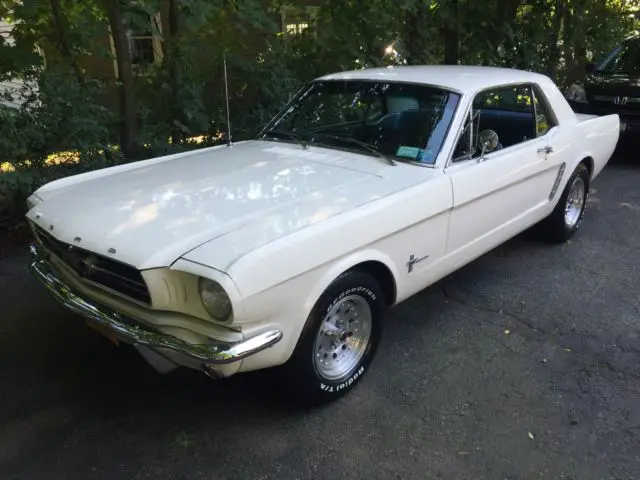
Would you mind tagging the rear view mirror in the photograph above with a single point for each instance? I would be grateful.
(590, 67)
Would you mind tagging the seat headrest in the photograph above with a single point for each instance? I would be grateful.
(400, 103)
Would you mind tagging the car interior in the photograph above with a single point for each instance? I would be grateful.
(402, 120)
(507, 113)
(512, 127)
(406, 122)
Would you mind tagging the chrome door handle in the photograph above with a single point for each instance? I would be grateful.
(545, 150)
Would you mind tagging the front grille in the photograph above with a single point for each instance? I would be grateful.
(100, 270)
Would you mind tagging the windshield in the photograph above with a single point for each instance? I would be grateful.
(397, 120)
(625, 58)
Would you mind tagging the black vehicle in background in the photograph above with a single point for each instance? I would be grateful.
(613, 86)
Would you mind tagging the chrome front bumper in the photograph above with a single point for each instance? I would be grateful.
(214, 353)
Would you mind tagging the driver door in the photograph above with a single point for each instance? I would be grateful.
(500, 193)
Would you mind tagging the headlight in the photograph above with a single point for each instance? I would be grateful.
(577, 94)
(215, 299)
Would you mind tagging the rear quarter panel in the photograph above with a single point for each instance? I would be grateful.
(592, 138)
(599, 137)
(579, 136)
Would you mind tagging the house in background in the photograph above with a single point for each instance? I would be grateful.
(147, 49)
(12, 85)
(146, 45)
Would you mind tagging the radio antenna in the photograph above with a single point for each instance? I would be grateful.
(226, 91)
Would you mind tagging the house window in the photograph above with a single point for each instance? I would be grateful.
(145, 44)
(141, 47)
(296, 20)
(297, 28)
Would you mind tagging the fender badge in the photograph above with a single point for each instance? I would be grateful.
(413, 260)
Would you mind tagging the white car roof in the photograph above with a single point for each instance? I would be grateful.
(456, 77)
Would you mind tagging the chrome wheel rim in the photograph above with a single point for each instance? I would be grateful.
(575, 202)
(343, 337)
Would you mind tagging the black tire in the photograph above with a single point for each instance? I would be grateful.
(300, 374)
(555, 228)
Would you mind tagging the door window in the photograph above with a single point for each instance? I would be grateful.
(508, 111)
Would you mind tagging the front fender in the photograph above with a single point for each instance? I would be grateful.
(287, 305)
(344, 264)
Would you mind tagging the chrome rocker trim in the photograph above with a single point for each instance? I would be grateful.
(217, 353)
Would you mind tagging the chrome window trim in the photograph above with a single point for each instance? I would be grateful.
(538, 93)
(435, 165)
(469, 112)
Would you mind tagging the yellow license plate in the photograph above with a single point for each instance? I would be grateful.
(112, 337)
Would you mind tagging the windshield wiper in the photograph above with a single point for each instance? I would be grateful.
(364, 145)
(291, 135)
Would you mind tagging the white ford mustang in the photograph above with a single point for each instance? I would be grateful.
(286, 250)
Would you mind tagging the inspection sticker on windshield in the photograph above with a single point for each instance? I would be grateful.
(414, 153)
(410, 152)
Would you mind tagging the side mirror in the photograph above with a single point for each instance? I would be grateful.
(487, 141)
(590, 67)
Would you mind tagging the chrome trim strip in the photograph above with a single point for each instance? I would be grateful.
(216, 353)
(607, 98)
(556, 183)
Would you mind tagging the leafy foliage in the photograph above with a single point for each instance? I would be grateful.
(73, 106)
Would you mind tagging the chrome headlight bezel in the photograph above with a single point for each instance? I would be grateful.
(215, 299)
(576, 93)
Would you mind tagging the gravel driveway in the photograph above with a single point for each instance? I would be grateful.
(523, 365)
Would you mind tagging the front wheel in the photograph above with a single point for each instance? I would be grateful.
(567, 216)
(339, 340)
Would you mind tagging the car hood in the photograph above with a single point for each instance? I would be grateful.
(148, 215)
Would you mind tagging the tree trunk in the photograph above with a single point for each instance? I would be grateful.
(128, 130)
(172, 70)
(451, 46)
(575, 51)
(414, 38)
(554, 36)
(62, 32)
(452, 39)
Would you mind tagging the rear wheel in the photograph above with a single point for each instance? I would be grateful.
(567, 216)
(339, 340)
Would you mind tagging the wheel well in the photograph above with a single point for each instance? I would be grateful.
(383, 275)
(588, 162)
